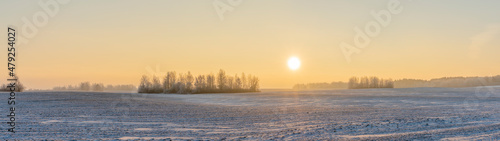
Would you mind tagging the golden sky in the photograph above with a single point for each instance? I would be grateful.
(115, 42)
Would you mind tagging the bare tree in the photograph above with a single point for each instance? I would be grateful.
(189, 82)
(172, 82)
(108, 87)
(85, 86)
(166, 82)
(156, 86)
(180, 86)
(249, 81)
(237, 82)
(221, 79)
(19, 86)
(243, 81)
(200, 84)
(211, 82)
(229, 82)
(353, 83)
(145, 85)
(254, 83)
(99, 87)
(374, 82)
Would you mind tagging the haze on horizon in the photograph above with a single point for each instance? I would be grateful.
(115, 42)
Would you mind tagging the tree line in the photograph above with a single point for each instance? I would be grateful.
(449, 82)
(375, 82)
(188, 83)
(369, 82)
(324, 85)
(99, 87)
(354, 83)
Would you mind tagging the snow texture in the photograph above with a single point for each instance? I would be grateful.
(363, 114)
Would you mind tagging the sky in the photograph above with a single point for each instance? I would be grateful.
(118, 41)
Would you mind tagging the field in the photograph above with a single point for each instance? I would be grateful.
(364, 114)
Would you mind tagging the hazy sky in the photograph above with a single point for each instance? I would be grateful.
(117, 41)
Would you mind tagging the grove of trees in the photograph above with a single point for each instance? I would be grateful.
(99, 87)
(188, 83)
(19, 87)
(369, 82)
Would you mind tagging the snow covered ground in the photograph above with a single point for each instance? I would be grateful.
(366, 114)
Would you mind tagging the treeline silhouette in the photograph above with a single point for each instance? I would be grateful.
(354, 83)
(369, 82)
(19, 87)
(449, 82)
(375, 82)
(99, 87)
(210, 83)
(332, 85)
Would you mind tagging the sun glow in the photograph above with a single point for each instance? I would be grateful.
(293, 63)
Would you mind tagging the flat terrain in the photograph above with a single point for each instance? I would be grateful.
(368, 114)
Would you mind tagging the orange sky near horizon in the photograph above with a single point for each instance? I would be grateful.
(115, 42)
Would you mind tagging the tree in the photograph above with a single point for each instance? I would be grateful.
(200, 84)
(98, 87)
(180, 86)
(237, 82)
(166, 82)
(254, 83)
(374, 82)
(156, 86)
(19, 86)
(85, 86)
(211, 82)
(230, 83)
(172, 82)
(221, 79)
(353, 83)
(249, 81)
(243, 81)
(145, 85)
(365, 82)
(189, 82)
(108, 87)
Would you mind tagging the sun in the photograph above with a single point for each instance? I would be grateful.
(293, 63)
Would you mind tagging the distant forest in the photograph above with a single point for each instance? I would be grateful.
(374, 82)
(324, 85)
(369, 82)
(210, 83)
(449, 82)
(354, 83)
(99, 87)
